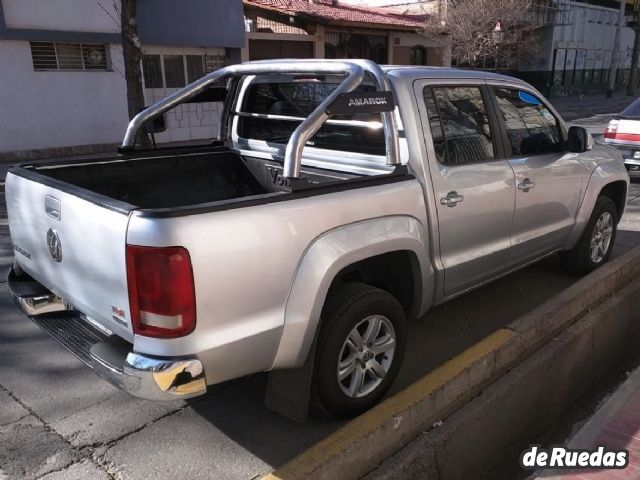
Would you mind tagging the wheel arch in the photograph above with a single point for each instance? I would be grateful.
(608, 178)
(396, 272)
(616, 191)
(361, 249)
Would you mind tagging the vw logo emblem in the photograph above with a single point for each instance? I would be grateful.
(55, 247)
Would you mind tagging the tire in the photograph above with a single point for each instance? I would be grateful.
(582, 259)
(358, 308)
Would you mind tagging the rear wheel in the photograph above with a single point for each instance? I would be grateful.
(360, 349)
(595, 245)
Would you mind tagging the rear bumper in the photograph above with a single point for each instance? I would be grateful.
(632, 165)
(110, 357)
(631, 155)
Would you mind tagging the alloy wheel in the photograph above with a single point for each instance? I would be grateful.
(601, 237)
(365, 356)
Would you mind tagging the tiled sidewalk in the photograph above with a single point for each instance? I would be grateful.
(616, 426)
(575, 107)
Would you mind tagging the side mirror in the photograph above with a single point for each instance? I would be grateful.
(579, 140)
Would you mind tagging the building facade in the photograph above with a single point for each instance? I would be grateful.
(573, 51)
(576, 46)
(62, 70)
(336, 29)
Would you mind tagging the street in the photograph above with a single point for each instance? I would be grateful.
(61, 421)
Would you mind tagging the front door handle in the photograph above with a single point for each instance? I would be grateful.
(452, 199)
(526, 185)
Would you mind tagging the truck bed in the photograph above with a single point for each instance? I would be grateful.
(172, 180)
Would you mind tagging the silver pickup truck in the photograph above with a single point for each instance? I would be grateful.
(341, 200)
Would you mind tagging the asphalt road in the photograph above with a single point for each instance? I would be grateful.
(59, 421)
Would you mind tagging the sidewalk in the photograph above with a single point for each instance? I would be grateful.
(575, 107)
(615, 425)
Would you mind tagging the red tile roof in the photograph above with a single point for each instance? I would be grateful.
(326, 11)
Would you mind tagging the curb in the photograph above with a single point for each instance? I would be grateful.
(520, 407)
(363, 443)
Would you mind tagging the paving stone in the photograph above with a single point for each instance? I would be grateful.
(85, 470)
(182, 445)
(110, 419)
(578, 107)
(29, 450)
(41, 373)
(10, 410)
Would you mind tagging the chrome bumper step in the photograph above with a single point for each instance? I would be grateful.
(110, 357)
(72, 332)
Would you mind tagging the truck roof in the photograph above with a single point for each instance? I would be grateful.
(412, 71)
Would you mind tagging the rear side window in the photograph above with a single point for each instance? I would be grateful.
(531, 127)
(272, 111)
(459, 125)
(632, 110)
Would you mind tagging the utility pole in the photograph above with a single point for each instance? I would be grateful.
(615, 53)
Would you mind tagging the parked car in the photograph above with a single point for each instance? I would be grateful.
(623, 133)
(342, 200)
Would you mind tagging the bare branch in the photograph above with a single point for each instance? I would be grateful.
(477, 30)
(115, 20)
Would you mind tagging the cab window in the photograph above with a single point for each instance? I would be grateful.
(271, 111)
(459, 125)
(531, 127)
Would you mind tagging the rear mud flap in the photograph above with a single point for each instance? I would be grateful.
(288, 391)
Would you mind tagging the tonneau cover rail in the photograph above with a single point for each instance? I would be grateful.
(353, 69)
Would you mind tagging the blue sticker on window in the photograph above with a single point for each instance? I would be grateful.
(528, 98)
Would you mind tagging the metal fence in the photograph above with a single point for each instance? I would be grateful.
(575, 71)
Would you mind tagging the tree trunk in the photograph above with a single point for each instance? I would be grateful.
(132, 53)
(633, 75)
(615, 53)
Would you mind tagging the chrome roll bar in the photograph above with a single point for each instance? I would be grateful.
(353, 69)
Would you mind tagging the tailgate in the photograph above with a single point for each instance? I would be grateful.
(73, 247)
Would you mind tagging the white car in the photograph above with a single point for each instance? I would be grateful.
(623, 133)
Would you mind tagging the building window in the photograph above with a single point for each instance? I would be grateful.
(68, 56)
(199, 65)
(418, 55)
(214, 62)
(174, 71)
(177, 68)
(195, 67)
(152, 71)
(356, 45)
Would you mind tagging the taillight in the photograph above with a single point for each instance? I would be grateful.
(161, 291)
(611, 130)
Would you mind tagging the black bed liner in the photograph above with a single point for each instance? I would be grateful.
(187, 181)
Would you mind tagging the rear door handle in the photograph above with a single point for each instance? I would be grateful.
(452, 199)
(526, 185)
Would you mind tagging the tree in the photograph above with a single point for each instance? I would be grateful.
(125, 17)
(132, 53)
(479, 30)
(633, 76)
